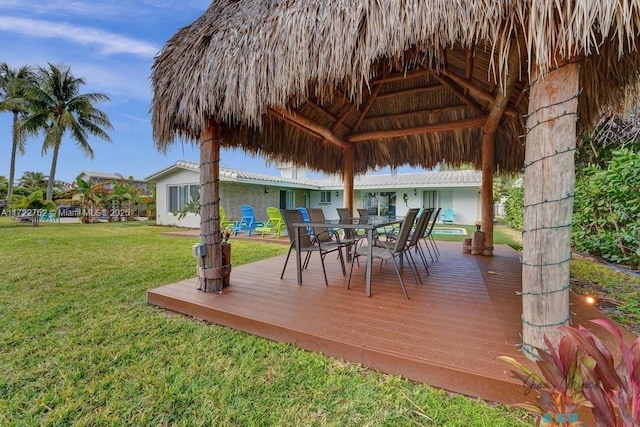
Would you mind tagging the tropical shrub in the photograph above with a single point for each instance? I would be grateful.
(514, 210)
(582, 371)
(32, 206)
(606, 210)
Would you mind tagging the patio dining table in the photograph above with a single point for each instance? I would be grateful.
(369, 225)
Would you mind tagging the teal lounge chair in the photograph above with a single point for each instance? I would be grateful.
(448, 216)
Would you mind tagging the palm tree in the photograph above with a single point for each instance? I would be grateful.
(12, 84)
(90, 196)
(33, 181)
(56, 106)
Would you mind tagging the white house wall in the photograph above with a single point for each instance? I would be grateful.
(464, 200)
(163, 216)
(232, 196)
(465, 204)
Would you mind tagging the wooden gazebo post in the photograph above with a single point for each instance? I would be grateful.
(488, 147)
(211, 271)
(348, 177)
(549, 177)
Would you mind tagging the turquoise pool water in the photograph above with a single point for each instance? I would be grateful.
(449, 231)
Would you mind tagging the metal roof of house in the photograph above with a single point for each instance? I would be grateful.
(464, 178)
(236, 175)
(105, 175)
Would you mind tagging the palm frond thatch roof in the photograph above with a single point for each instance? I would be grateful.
(401, 82)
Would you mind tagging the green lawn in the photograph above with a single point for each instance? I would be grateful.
(501, 236)
(80, 346)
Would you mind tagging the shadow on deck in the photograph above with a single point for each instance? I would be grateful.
(448, 334)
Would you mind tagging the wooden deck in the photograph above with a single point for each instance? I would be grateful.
(448, 334)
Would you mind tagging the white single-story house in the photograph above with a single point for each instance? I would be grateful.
(386, 194)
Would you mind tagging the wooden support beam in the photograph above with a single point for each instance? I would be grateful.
(414, 114)
(328, 114)
(457, 92)
(321, 110)
(414, 91)
(488, 147)
(476, 91)
(309, 124)
(348, 178)
(468, 72)
(400, 76)
(296, 125)
(352, 109)
(367, 106)
(438, 127)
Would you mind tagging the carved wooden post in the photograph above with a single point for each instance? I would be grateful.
(549, 178)
(210, 274)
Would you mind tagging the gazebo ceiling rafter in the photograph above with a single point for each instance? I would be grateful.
(469, 66)
(439, 127)
(459, 93)
(309, 125)
(343, 128)
(469, 87)
(375, 95)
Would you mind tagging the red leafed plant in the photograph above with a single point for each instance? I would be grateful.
(583, 372)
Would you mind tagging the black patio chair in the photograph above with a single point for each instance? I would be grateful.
(351, 238)
(391, 251)
(309, 243)
(428, 237)
(413, 241)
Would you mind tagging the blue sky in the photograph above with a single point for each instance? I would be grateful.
(111, 44)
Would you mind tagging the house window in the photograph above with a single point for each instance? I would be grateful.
(286, 199)
(325, 197)
(430, 199)
(383, 203)
(180, 195)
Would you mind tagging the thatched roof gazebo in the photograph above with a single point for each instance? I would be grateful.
(346, 86)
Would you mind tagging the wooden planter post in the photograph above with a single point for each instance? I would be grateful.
(549, 182)
(211, 272)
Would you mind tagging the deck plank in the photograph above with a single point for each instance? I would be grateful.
(448, 334)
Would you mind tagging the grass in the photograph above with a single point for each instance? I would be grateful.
(81, 346)
(501, 236)
(617, 294)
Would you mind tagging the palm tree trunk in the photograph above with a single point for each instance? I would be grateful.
(14, 149)
(52, 174)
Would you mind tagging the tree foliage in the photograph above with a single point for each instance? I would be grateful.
(13, 82)
(606, 210)
(56, 106)
(514, 210)
(614, 132)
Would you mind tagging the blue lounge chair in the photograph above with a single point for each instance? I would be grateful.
(448, 216)
(248, 221)
(305, 218)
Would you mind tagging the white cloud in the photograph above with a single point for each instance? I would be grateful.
(108, 43)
